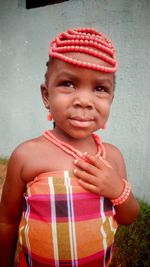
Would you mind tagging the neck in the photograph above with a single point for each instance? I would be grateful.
(86, 144)
(72, 150)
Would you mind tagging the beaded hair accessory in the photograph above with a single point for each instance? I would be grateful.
(86, 41)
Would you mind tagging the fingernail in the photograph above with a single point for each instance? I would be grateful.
(85, 153)
(75, 171)
(75, 161)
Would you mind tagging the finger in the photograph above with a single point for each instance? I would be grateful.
(88, 187)
(98, 161)
(105, 162)
(86, 166)
(95, 161)
(84, 176)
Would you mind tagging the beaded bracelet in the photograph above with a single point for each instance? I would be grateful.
(123, 196)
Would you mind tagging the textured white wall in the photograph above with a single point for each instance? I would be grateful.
(24, 39)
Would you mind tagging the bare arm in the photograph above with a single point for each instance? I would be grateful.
(10, 210)
(127, 212)
(104, 177)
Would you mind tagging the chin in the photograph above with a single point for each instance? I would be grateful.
(77, 132)
(80, 134)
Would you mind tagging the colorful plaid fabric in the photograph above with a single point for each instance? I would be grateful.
(65, 225)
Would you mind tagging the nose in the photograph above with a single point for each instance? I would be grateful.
(83, 99)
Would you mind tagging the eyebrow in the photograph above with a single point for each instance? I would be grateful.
(103, 81)
(97, 80)
(64, 73)
(68, 75)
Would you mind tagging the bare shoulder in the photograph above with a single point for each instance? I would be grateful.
(23, 150)
(28, 146)
(112, 150)
(21, 169)
(24, 157)
(115, 157)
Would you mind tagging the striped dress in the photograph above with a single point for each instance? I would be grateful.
(65, 225)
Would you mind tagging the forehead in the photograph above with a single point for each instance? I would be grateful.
(57, 67)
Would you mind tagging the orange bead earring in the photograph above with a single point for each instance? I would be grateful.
(49, 117)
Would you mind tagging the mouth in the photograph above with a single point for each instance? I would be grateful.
(81, 122)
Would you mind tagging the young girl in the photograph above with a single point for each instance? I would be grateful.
(67, 191)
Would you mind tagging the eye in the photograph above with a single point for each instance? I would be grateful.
(101, 89)
(66, 83)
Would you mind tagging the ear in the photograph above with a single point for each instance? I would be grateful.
(112, 98)
(44, 93)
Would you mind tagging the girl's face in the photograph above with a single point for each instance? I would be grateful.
(79, 99)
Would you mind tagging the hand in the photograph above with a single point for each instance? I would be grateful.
(98, 176)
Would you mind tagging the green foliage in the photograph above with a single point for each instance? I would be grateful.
(133, 241)
(3, 165)
(3, 161)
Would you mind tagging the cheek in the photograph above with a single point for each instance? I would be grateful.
(58, 107)
(54, 101)
(104, 107)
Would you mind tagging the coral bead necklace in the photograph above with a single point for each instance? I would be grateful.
(70, 150)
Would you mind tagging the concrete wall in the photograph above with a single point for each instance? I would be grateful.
(24, 39)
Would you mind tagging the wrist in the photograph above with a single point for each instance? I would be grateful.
(124, 194)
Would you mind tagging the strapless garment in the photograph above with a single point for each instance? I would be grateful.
(64, 225)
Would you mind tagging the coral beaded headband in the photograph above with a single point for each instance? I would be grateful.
(85, 41)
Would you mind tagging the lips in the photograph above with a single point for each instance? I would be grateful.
(81, 122)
